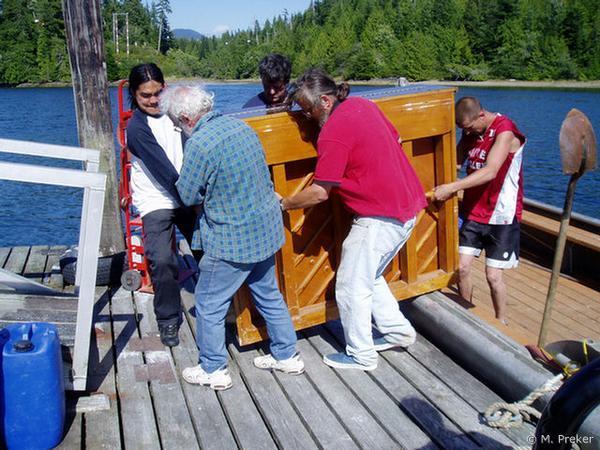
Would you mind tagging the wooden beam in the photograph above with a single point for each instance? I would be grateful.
(83, 26)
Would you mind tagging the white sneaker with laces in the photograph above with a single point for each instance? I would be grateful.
(219, 380)
(293, 365)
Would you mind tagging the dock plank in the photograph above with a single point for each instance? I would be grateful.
(73, 435)
(246, 424)
(210, 422)
(36, 263)
(23, 315)
(4, 252)
(382, 407)
(55, 303)
(357, 420)
(174, 423)
(60, 310)
(412, 403)
(521, 316)
(102, 427)
(10, 301)
(16, 259)
(417, 398)
(528, 310)
(137, 412)
(469, 388)
(52, 274)
(450, 404)
(576, 295)
(322, 423)
(537, 279)
(574, 302)
(286, 427)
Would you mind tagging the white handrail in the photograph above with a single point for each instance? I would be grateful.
(49, 150)
(94, 185)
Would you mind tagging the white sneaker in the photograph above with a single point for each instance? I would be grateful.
(293, 365)
(219, 380)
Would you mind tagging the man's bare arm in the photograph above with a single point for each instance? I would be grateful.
(312, 195)
(496, 157)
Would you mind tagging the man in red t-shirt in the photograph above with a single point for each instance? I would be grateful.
(360, 155)
(493, 196)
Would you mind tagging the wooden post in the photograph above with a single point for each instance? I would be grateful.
(83, 26)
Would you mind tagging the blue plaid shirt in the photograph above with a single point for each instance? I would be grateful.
(224, 168)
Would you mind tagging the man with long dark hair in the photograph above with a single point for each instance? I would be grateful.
(359, 154)
(157, 149)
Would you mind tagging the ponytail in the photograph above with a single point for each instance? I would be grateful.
(315, 82)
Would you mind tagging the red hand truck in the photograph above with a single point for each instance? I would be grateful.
(137, 275)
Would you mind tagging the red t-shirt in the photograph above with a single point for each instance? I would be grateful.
(500, 200)
(358, 150)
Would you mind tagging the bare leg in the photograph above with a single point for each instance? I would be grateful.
(498, 289)
(465, 286)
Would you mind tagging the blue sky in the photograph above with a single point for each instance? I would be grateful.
(215, 17)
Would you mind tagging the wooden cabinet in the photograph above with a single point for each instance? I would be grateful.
(424, 117)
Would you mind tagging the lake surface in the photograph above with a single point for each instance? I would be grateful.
(37, 214)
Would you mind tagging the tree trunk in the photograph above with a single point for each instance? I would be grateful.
(83, 25)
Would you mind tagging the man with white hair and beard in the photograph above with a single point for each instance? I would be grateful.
(240, 230)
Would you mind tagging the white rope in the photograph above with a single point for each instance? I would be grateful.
(507, 415)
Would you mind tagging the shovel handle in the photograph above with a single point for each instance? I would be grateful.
(558, 257)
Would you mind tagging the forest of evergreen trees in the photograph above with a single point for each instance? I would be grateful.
(352, 39)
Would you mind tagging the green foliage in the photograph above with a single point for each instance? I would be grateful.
(351, 39)
(448, 39)
(18, 38)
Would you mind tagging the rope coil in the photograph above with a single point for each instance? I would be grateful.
(507, 415)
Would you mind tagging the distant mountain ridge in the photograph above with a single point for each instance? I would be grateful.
(185, 33)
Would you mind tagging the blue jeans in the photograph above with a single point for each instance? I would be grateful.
(218, 281)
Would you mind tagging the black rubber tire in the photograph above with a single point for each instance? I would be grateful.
(110, 269)
(131, 280)
(568, 408)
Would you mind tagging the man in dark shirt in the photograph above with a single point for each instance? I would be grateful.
(275, 71)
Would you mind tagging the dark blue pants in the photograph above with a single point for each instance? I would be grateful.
(159, 233)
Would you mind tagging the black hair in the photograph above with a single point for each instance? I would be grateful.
(141, 74)
(316, 82)
(275, 67)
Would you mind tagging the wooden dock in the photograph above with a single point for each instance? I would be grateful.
(576, 313)
(417, 398)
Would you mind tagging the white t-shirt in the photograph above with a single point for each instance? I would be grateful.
(147, 194)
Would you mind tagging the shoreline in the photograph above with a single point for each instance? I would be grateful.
(556, 84)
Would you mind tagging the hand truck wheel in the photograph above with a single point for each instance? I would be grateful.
(131, 280)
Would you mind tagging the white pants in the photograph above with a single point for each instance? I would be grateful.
(361, 290)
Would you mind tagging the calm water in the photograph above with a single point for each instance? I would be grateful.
(36, 214)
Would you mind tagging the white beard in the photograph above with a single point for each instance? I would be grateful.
(186, 130)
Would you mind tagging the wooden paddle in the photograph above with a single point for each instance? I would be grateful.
(578, 155)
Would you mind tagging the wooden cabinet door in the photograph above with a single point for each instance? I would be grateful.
(306, 263)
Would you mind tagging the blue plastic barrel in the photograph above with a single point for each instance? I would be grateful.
(4, 337)
(33, 387)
